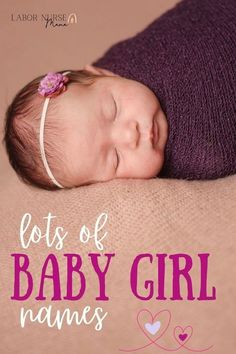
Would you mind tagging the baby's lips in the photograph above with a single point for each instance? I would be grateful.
(155, 133)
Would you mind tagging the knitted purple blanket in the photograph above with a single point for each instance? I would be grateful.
(187, 57)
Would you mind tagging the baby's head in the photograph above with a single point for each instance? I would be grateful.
(95, 127)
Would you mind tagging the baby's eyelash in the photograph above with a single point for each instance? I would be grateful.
(118, 159)
(115, 107)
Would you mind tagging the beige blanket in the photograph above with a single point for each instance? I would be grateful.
(155, 216)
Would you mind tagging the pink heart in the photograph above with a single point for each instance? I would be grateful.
(145, 317)
(182, 335)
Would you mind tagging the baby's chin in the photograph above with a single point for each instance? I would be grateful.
(153, 169)
(159, 162)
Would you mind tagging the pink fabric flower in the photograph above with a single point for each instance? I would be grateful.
(52, 84)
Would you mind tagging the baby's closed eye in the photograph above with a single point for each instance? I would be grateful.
(117, 159)
(115, 106)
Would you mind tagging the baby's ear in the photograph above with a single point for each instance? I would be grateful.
(98, 71)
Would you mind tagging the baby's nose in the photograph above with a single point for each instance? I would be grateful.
(129, 135)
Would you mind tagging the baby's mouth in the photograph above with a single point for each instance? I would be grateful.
(154, 133)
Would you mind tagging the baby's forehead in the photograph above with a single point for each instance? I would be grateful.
(71, 99)
(78, 107)
(65, 121)
(63, 105)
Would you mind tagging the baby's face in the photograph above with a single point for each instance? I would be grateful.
(114, 128)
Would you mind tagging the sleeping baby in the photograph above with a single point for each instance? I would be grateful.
(161, 103)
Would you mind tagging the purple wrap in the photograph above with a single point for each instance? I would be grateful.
(187, 57)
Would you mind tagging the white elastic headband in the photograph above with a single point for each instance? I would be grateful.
(41, 140)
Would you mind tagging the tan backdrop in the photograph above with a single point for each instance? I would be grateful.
(156, 216)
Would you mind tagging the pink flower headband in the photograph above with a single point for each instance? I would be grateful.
(50, 86)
